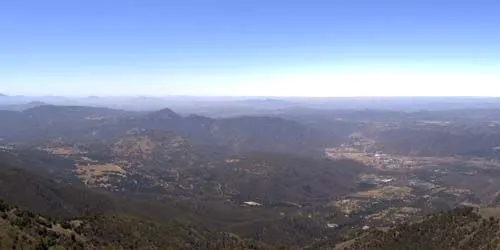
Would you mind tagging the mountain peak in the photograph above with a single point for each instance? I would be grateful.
(165, 113)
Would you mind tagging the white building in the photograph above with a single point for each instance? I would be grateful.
(252, 204)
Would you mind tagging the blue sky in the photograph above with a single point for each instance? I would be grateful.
(250, 47)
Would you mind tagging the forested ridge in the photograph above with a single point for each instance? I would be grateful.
(460, 228)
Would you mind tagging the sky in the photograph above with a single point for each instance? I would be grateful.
(250, 47)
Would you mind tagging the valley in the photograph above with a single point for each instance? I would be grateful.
(262, 181)
(250, 125)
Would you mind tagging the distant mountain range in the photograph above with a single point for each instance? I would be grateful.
(21, 107)
(240, 134)
(234, 106)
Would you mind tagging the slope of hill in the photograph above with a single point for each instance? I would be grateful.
(43, 213)
(241, 134)
(420, 142)
(53, 112)
(154, 148)
(23, 229)
(197, 198)
(48, 122)
(268, 134)
(274, 178)
(461, 228)
(20, 188)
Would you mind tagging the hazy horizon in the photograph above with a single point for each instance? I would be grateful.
(243, 97)
(223, 48)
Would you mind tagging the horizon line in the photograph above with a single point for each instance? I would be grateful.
(4, 94)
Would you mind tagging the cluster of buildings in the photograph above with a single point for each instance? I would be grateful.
(6, 148)
(375, 179)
